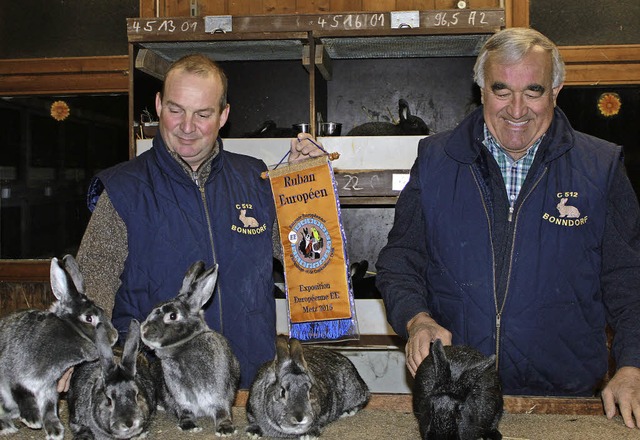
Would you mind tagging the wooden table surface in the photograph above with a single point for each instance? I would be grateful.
(389, 417)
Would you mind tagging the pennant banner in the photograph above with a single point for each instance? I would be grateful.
(317, 283)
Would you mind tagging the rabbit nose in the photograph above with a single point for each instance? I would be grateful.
(299, 419)
(128, 425)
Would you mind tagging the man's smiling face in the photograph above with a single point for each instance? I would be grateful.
(519, 99)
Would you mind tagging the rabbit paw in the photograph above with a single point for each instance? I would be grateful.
(225, 429)
(187, 423)
(7, 427)
(54, 429)
(350, 413)
(33, 424)
(253, 431)
(308, 436)
(55, 432)
(189, 426)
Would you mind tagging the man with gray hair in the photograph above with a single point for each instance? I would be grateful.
(520, 236)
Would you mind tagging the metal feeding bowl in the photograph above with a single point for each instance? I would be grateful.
(303, 127)
(329, 128)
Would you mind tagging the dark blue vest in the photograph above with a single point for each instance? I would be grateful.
(170, 225)
(552, 319)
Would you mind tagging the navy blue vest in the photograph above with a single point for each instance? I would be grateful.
(170, 225)
(552, 319)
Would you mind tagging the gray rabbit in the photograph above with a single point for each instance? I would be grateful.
(109, 399)
(302, 390)
(198, 373)
(408, 125)
(457, 394)
(37, 347)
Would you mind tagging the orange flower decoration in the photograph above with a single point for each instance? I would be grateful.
(609, 104)
(59, 110)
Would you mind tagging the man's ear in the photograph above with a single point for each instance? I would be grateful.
(158, 103)
(556, 91)
(224, 115)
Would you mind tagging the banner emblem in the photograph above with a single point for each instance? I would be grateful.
(310, 243)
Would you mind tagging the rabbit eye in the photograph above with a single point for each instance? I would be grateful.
(88, 318)
(283, 393)
(171, 316)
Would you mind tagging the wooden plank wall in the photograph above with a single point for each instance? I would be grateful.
(23, 296)
(182, 8)
(24, 284)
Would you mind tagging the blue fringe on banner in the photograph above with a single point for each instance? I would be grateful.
(335, 330)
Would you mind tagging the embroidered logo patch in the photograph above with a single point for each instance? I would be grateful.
(248, 224)
(310, 243)
(567, 212)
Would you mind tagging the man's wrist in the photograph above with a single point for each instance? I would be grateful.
(417, 320)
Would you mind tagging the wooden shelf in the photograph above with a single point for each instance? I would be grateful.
(24, 271)
(355, 35)
(50, 76)
(601, 65)
(433, 22)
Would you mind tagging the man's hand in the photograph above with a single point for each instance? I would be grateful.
(624, 390)
(423, 330)
(304, 147)
(64, 381)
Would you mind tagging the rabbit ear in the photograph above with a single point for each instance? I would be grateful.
(72, 268)
(104, 348)
(358, 270)
(486, 364)
(130, 353)
(192, 273)
(440, 364)
(297, 353)
(60, 282)
(472, 375)
(403, 109)
(282, 350)
(203, 289)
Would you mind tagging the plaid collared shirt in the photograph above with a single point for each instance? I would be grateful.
(513, 171)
